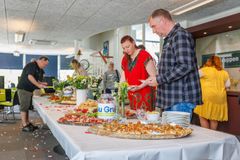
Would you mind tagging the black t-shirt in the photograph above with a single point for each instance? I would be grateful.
(32, 69)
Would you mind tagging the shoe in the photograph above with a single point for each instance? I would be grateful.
(33, 126)
(27, 128)
(31, 107)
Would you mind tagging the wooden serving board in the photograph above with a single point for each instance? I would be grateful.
(78, 123)
(67, 103)
(98, 130)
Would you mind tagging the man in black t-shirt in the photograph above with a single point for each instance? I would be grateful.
(30, 80)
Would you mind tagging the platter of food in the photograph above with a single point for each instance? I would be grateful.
(54, 99)
(85, 115)
(138, 130)
(68, 101)
(90, 104)
(80, 119)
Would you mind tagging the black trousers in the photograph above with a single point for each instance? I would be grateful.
(110, 91)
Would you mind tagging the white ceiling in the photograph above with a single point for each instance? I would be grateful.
(67, 20)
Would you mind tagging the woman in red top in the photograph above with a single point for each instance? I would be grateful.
(137, 66)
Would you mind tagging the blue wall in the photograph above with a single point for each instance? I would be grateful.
(9, 61)
(65, 62)
(51, 69)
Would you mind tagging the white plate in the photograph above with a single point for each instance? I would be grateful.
(176, 113)
(178, 119)
(177, 116)
(180, 123)
(147, 121)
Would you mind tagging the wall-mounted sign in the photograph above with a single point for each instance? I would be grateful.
(106, 48)
(229, 59)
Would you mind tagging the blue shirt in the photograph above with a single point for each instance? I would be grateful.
(178, 79)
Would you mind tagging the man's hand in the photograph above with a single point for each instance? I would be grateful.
(151, 81)
(40, 86)
(44, 83)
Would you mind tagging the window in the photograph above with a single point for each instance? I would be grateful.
(152, 42)
(153, 48)
(65, 68)
(137, 33)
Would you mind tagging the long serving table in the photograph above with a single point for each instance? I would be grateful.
(202, 144)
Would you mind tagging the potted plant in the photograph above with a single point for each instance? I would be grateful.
(81, 85)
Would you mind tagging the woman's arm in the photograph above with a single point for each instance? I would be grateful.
(200, 72)
(122, 79)
(151, 69)
(227, 83)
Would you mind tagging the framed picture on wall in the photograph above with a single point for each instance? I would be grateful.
(106, 48)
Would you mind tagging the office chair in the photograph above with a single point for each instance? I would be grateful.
(8, 103)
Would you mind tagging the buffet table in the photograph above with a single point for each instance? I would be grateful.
(81, 145)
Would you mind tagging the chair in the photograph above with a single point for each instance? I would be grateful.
(2, 98)
(8, 103)
(2, 95)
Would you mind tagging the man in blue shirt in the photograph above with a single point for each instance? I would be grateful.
(177, 80)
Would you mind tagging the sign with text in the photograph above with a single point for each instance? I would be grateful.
(229, 59)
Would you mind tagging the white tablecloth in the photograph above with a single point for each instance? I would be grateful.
(201, 144)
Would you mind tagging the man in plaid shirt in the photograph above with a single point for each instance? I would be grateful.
(177, 80)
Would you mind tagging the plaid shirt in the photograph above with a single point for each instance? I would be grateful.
(178, 79)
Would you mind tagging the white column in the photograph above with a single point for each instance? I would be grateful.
(143, 34)
(58, 66)
(24, 60)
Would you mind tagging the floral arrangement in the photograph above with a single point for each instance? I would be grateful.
(59, 85)
(93, 85)
(80, 82)
(94, 82)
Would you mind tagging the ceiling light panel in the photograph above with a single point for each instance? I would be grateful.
(19, 37)
(190, 6)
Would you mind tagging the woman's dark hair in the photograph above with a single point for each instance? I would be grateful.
(74, 61)
(130, 39)
(141, 46)
(127, 38)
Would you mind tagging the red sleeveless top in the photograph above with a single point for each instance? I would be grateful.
(135, 71)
